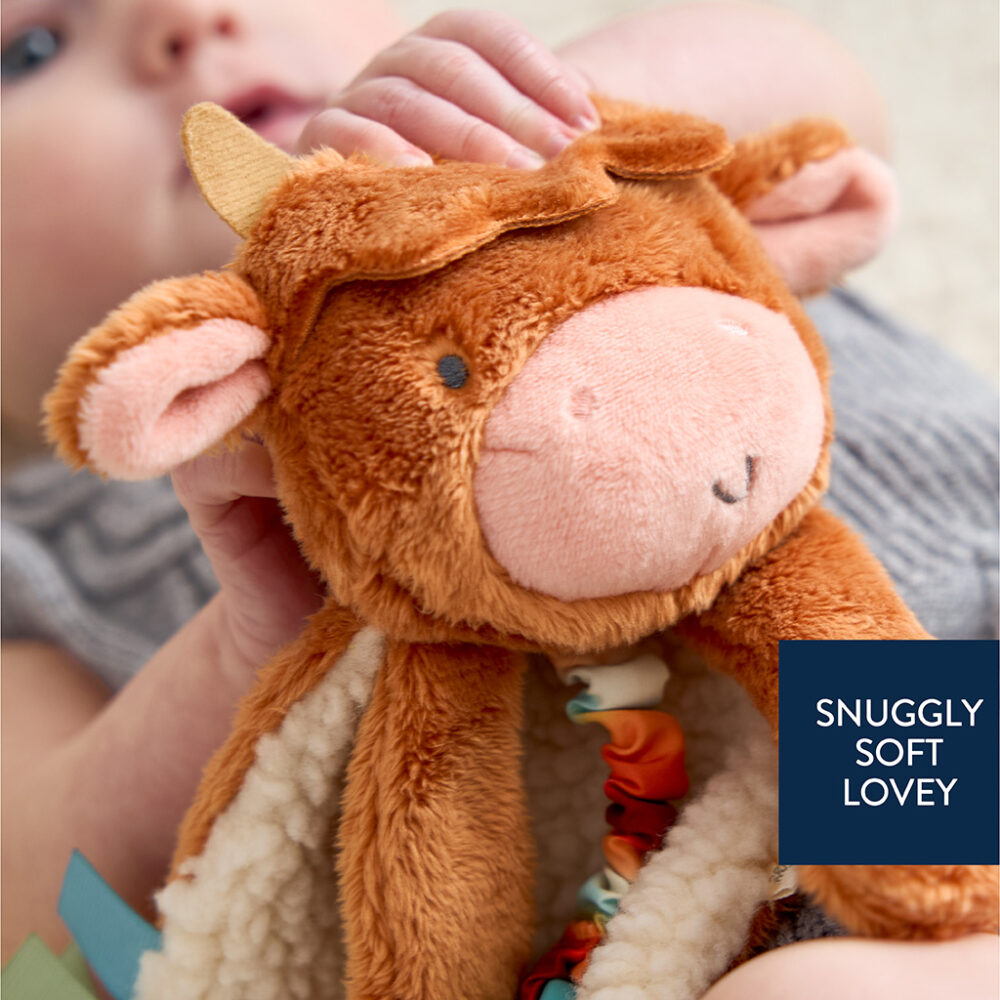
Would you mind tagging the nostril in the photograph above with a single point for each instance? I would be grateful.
(582, 402)
(175, 46)
(225, 26)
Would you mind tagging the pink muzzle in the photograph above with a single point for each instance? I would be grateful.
(648, 439)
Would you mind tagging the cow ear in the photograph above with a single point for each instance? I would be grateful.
(644, 143)
(164, 377)
(819, 205)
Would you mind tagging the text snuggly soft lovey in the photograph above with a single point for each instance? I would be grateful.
(929, 713)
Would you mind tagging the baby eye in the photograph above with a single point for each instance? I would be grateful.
(30, 51)
(453, 370)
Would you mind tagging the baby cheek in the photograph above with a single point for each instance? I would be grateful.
(73, 213)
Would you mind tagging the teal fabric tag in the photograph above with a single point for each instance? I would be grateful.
(583, 703)
(595, 897)
(111, 935)
(558, 989)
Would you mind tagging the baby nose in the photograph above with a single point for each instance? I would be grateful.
(167, 34)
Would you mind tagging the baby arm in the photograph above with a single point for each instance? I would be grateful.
(834, 968)
(113, 776)
(743, 65)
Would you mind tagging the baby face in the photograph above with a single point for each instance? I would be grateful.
(96, 198)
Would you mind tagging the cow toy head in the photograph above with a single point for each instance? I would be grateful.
(566, 405)
(509, 411)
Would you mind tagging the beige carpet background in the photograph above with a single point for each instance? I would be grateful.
(936, 63)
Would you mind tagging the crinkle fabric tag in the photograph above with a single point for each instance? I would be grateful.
(783, 882)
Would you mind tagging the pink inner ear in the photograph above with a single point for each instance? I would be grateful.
(833, 215)
(170, 398)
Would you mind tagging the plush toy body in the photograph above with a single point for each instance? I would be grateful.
(558, 411)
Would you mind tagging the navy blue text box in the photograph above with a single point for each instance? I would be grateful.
(834, 810)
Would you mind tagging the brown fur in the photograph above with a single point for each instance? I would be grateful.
(446, 213)
(493, 308)
(765, 159)
(435, 849)
(909, 902)
(820, 583)
(364, 277)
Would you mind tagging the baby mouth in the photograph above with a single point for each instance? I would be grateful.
(724, 496)
(272, 112)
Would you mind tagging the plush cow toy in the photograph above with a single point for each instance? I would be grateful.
(511, 412)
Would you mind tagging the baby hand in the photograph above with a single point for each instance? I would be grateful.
(468, 85)
(266, 588)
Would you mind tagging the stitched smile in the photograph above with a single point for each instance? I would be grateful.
(725, 497)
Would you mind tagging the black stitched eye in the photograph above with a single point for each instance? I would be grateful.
(453, 370)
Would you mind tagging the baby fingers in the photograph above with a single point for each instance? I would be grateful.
(469, 85)
(224, 495)
(434, 123)
(521, 59)
(461, 76)
(347, 132)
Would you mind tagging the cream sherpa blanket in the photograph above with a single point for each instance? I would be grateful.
(260, 921)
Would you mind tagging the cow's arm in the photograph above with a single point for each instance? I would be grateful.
(435, 849)
(822, 583)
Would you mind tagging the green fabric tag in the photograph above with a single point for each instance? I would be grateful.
(76, 965)
(34, 973)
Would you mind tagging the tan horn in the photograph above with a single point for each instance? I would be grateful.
(234, 168)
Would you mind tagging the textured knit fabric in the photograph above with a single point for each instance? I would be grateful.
(915, 465)
(106, 570)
